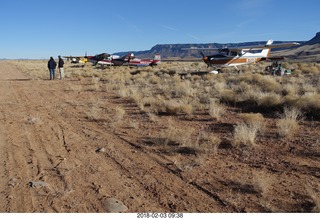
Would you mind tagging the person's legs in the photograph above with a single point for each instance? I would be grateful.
(61, 73)
(54, 73)
(51, 73)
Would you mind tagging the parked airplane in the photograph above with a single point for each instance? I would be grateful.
(77, 59)
(127, 60)
(131, 60)
(102, 59)
(237, 56)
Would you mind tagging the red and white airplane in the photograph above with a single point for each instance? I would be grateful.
(127, 60)
(131, 60)
(237, 56)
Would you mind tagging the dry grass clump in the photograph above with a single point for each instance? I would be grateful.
(269, 99)
(288, 124)
(169, 107)
(175, 135)
(117, 117)
(310, 103)
(253, 119)
(244, 134)
(290, 89)
(94, 110)
(246, 131)
(216, 110)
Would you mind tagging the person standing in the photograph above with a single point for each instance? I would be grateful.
(60, 66)
(52, 68)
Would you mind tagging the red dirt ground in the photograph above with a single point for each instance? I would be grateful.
(54, 158)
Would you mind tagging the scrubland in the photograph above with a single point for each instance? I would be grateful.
(184, 89)
(250, 141)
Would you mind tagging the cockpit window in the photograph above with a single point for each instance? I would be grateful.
(224, 51)
(220, 55)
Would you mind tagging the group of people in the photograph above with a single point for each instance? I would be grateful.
(52, 68)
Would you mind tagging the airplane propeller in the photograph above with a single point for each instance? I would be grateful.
(202, 54)
(205, 58)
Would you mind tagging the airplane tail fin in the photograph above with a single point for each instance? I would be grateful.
(266, 52)
(157, 57)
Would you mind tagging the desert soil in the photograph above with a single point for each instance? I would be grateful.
(56, 158)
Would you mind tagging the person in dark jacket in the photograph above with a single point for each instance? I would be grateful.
(52, 68)
(60, 66)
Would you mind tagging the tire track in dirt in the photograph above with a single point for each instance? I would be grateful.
(13, 196)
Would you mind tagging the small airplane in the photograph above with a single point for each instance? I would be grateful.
(237, 56)
(131, 60)
(103, 59)
(127, 60)
(77, 59)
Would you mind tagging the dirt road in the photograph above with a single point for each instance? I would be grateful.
(51, 162)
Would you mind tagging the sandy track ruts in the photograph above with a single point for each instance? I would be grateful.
(46, 136)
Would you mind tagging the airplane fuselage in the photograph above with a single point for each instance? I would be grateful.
(229, 61)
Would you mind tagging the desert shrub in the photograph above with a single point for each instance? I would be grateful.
(288, 123)
(269, 99)
(94, 110)
(175, 135)
(227, 96)
(182, 89)
(292, 113)
(244, 134)
(216, 110)
(291, 100)
(287, 127)
(250, 96)
(154, 79)
(310, 103)
(187, 108)
(314, 70)
(171, 106)
(253, 119)
(269, 84)
(290, 89)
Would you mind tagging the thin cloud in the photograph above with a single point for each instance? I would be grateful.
(169, 28)
(193, 36)
(128, 23)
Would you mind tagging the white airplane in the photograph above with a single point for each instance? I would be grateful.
(237, 56)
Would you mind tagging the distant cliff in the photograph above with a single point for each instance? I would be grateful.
(308, 51)
(314, 40)
(176, 50)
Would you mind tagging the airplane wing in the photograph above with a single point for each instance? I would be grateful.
(197, 49)
(258, 47)
(71, 57)
(244, 48)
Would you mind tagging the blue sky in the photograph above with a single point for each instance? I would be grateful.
(43, 28)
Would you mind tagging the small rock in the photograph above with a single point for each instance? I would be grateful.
(101, 150)
(112, 205)
(37, 185)
(13, 182)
